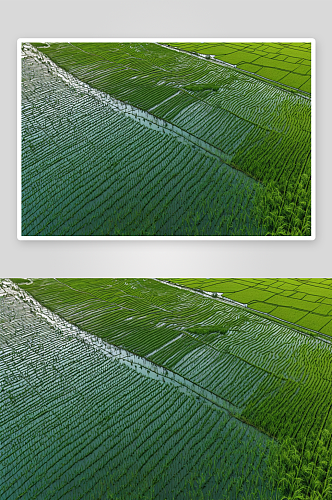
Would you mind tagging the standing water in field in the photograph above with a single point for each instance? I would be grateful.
(95, 165)
(93, 427)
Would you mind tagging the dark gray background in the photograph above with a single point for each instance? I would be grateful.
(171, 18)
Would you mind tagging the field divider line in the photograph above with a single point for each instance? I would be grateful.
(215, 349)
(204, 293)
(165, 345)
(227, 301)
(165, 100)
(130, 359)
(139, 115)
(211, 58)
(204, 57)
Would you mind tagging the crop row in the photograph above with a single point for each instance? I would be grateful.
(303, 361)
(118, 177)
(241, 102)
(98, 426)
(253, 364)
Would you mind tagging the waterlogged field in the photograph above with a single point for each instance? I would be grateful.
(142, 139)
(143, 389)
(81, 420)
(143, 180)
(307, 302)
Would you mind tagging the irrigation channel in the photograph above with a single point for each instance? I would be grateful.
(143, 117)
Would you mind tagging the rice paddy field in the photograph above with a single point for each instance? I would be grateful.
(307, 302)
(148, 389)
(286, 63)
(148, 139)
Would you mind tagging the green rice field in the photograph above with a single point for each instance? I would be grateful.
(140, 139)
(307, 302)
(144, 389)
(286, 63)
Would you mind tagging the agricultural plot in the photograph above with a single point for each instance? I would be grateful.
(286, 63)
(80, 423)
(307, 302)
(141, 139)
(261, 374)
